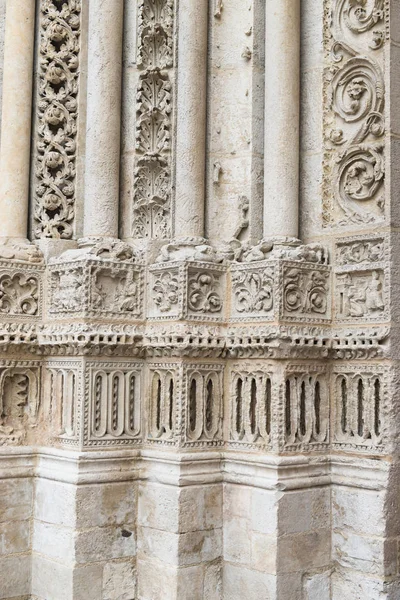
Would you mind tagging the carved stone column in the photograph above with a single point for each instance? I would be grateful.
(282, 118)
(191, 123)
(103, 118)
(16, 118)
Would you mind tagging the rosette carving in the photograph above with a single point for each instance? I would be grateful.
(58, 87)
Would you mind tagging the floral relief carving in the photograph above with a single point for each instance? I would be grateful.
(204, 294)
(354, 113)
(253, 290)
(166, 291)
(19, 294)
(58, 88)
(152, 176)
(305, 291)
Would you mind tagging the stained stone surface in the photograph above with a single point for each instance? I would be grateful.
(199, 300)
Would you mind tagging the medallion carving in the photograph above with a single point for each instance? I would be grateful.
(354, 116)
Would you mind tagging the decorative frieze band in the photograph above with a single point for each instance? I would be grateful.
(152, 181)
(354, 117)
(54, 193)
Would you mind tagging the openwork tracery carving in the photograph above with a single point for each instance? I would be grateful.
(360, 395)
(354, 113)
(56, 141)
(152, 181)
(306, 408)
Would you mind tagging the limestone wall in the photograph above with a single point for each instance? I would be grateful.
(198, 300)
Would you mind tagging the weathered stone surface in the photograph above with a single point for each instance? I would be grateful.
(199, 300)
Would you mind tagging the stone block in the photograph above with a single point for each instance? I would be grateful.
(264, 552)
(119, 580)
(158, 544)
(240, 583)
(87, 582)
(55, 542)
(358, 511)
(105, 504)
(156, 581)
(55, 502)
(51, 580)
(200, 546)
(158, 506)
(213, 581)
(237, 541)
(317, 586)
(105, 543)
(16, 499)
(264, 510)
(238, 501)
(304, 551)
(15, 537)
(304, 510)
(15, 576)
(367, 554)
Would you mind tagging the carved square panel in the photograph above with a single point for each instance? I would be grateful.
(97, 288)
(165, 291)
(112, 412)
(187, 290)
(360, 396)
(253, 292)
(361, 280)
(305, 292)
(21, 291)
(202, 405)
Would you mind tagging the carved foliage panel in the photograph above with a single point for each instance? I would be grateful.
(21, 291)
(354, 117)
(190, 290)
(362, 279)
(359, 406)
(57, 119)
(253, 291)
(305, 293)
(306, 408)
(152, 180)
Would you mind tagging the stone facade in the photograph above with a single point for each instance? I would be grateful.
(199, 300)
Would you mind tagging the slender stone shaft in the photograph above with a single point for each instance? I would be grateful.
(16, 118)
(191, 122)
(103, 135)
(282, 118)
